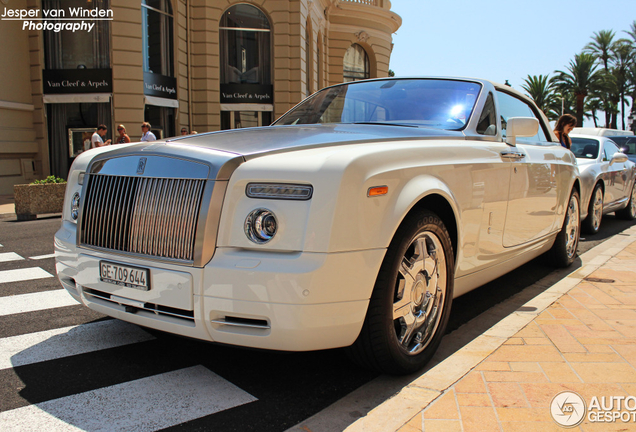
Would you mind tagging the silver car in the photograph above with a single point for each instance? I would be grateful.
(607, 180)
(627, 144)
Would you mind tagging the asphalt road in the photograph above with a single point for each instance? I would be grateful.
(261, 390)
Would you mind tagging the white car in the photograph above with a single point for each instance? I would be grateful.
(353, 221)
(607, 180)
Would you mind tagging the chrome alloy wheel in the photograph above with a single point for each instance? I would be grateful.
(420, 293)
(597, 208)
(632, 202)
(572, 226)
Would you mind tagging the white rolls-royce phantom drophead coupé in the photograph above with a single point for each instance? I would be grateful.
(353, 221)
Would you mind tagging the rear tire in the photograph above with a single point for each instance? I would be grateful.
(411, 300)
(629, 212)
(592, 222)
(564, 250)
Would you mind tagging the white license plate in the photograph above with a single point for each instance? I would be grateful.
(122, 275)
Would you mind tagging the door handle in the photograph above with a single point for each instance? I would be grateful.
(512, 155)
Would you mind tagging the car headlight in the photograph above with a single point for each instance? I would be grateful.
(279, 191)
(261, 225)
(75, 205)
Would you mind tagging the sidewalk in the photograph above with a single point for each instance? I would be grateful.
(573, 331)
(7, 206)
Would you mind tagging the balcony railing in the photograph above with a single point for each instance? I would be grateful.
(377, 3)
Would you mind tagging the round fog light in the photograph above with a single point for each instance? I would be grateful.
(75, 204)
(260, 226)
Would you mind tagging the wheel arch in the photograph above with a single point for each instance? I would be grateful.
(444, 206)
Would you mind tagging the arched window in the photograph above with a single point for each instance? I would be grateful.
(245, 46)
(245, 62)
(355, 64)
(158, 45)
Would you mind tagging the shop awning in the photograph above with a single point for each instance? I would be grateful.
(77, 98)
(162, 102)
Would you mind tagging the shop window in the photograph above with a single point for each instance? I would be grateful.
(158, 45)
(245, 46)
(243, 119)
(161, 119)
(355, 64)
(245, 60)
(80, 52)
(79, 49)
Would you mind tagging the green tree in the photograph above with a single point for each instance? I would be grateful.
(623, 58)
(601, 48)
(540, 89)
(581, 79)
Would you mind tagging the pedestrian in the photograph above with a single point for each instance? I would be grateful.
(146, 134)
(184, 131)
(97, 140)
(123, 136)
(563, 127)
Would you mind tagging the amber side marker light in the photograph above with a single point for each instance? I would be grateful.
(377, 191)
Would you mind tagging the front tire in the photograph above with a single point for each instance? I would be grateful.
(565, 248)
(629, 212)
(410, 304)
(592, 222)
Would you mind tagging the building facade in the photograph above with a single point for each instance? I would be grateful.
(198, 65)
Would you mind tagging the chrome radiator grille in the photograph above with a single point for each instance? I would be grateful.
(140, 215)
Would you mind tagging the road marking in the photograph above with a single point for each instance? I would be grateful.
(10, 256)
(24, 274)
(147, 404)
(68, 341)
(40, 257)
(35, 301)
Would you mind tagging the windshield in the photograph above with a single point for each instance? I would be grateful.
(434, 103)
(585, 148)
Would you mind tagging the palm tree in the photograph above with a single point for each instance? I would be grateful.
(601, 47)
(540, 89)
(631, 71)
(581, 79)
(623, 57)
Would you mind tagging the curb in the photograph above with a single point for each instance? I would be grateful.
(390, 402)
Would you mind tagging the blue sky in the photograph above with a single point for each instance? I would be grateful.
(497, 39)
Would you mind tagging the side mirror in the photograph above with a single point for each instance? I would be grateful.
(520, 127)
(619, 158)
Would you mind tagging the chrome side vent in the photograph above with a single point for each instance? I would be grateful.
(140, 215)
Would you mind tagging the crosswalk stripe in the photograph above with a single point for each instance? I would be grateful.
(68, 341)
(147, 404)
(35, 301)
(10, 256)
(18, 275)
(41, 257)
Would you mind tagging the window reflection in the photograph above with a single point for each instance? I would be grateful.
(355, 64)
